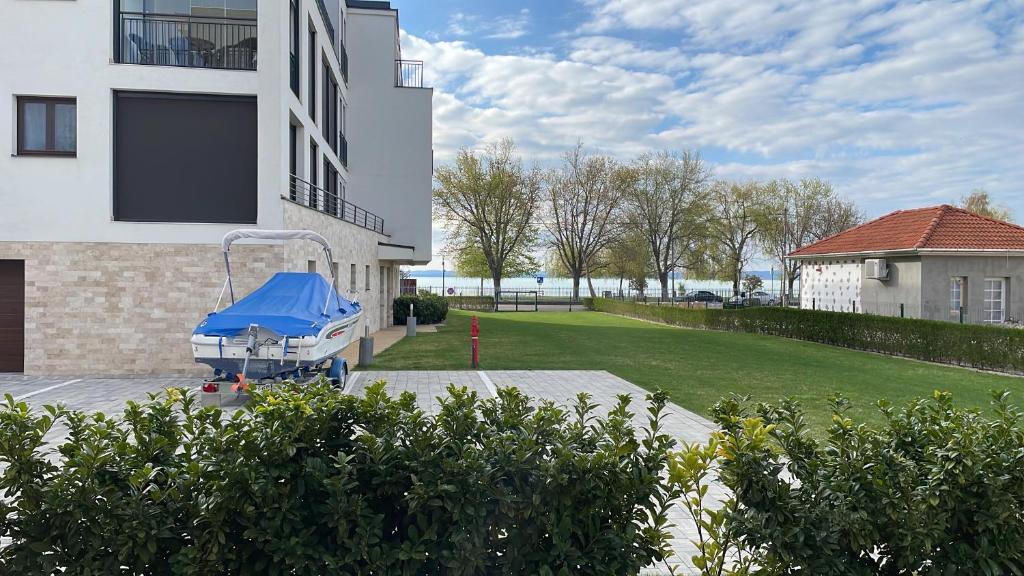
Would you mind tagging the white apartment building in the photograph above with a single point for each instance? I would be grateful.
(141, 131)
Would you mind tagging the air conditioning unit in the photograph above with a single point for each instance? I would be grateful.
(876, 269)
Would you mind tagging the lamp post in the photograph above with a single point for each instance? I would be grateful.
(442, 277)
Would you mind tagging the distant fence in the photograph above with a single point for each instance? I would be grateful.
(563, 295)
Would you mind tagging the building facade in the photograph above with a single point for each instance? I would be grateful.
(937, 263)
(156, 126)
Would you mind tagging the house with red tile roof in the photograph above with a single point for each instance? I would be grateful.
(938, 263)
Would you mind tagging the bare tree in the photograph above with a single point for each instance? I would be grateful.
(799, 213)
(981, 204)
(627, 258)
(581, 200)
(489, 202)
(736, 214)
(663, 204)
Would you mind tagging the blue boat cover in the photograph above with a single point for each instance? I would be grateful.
(291, 304)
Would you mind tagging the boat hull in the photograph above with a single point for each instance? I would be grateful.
(276, 356)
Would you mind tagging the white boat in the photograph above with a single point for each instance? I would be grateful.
(292, 327)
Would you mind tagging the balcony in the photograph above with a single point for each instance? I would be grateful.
(186, 41)
(409, 73)
(326, 202)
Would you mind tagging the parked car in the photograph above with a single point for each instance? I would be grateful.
(701, 296)
(764, 298)
(741, 301)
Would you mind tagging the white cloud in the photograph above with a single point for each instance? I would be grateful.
(507, 27)
(898, 105)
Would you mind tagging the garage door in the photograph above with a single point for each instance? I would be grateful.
(12, 316)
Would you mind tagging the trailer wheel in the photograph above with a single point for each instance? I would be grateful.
(338, 372)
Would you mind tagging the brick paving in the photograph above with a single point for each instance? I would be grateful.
(108, 395)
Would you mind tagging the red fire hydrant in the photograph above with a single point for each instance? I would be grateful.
(474, 332)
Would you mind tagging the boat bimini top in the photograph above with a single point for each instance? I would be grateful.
(291, 304)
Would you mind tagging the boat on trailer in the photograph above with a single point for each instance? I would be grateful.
(292, 328)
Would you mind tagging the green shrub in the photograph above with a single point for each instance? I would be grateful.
(977, 346)
(308, 481)
(427, 307)
(475, 303)
(939, 490)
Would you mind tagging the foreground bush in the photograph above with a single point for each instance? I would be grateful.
(308, 481)
(428, 308)
(939, 490)
(977, 346)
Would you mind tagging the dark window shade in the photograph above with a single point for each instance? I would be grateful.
(185, 158)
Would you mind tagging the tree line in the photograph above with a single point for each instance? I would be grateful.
(596, 216)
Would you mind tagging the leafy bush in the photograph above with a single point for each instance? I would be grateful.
(477, 303)
(939, 490)
(309, 481)
(427, 307)
(977, 346)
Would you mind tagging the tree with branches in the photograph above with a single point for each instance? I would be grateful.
(736, 213)
(664, 203)
(582, 197)
(799, 213)
(981, 204)
(489, 202)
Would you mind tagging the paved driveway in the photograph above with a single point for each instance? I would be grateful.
(109, 395)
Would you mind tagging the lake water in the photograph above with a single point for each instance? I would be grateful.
(559, 286)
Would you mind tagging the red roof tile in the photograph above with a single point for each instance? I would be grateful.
(937, 227)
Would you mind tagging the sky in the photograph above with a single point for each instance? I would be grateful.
(897, 104)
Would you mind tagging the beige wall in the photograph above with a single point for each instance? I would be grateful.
(129, 309)
(116, 309)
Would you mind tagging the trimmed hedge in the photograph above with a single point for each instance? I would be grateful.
(428, 308)
(308, 481)
(977, 346)
(936, 490)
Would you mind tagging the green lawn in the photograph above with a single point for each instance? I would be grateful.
(695, 367)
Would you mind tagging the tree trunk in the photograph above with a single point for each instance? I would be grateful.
(663, 277)
(590, 284)
(497, 290)
(620, 286)
(575, 287)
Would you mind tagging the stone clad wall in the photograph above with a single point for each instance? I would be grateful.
(115, 309)
(125, 309)
(351, 244)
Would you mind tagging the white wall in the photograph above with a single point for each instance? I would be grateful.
(830, 284)
(66, 49)
(390, 134)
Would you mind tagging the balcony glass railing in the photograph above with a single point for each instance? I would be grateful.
(187, 41)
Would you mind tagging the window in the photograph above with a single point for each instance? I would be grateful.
(352, 278)
(314, 153)
(47, 126)
(294, 44)
(330, 108)
(293, 159)
(957, 296)
(310, 266)
(367, 277)
(164, 172)
(330, 188)
(995, 300)
(312, 74)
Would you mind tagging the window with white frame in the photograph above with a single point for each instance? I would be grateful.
(957, 296)
(995, 300)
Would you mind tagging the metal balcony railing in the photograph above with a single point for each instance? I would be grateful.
(316, 198)
(187, 41)
(409, 73)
